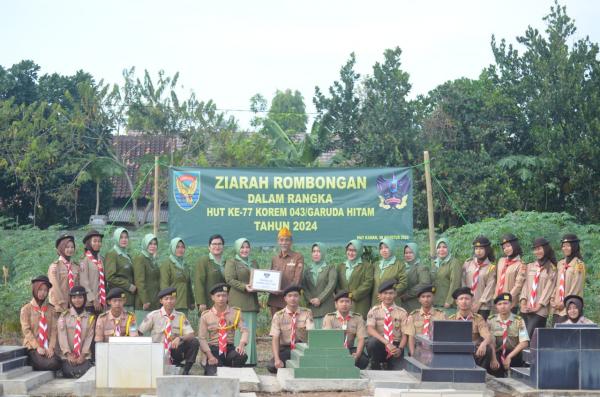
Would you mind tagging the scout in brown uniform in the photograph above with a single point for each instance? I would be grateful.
(288, 328)
(75, 335)
(574, 305)
(538, 287)
(291, 266)
(512, 272)
(217, 332)
(116, 321)
(63, 274)
(171, 328)
(479, 274)
(481, 333)
(570, 276)
(387, 326)
(421, 320)
(91, 275)
(353, 326)
(38, 324)
(510, 335)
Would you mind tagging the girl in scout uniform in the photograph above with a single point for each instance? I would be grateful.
(446, 276)
(62, 273)
(356, 277)
(570, 276)
(92, 275)
(175, 273)
(209, 271)
(146, 274)
(117, 264)
(512, 271)
(417, 276)
(479, 274)
(574, 305)
(388, 268)
(319, 281)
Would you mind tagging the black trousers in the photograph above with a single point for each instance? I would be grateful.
(533, 321)
(186, 351)
(378, 355)
(231, 359)
(75, 370)
(485, 360)
(42, 363)
(363, 360)
(285, 353)
(516, 361)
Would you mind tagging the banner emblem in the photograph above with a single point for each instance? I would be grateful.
(186, 189)
(393, 192)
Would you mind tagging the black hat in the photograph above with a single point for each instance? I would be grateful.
(220, 287)
(481, 241)
(167, 291)
(43, 279)
(505, 296)
(91, 234)
(427, 288)
(540, 241)
(292, 288)
(342, 294)
(576, 299)
(386, 285)
(115, 293)
(62, 237)
(77, 291)
(461, 291)
(569, 238)
(507, 238)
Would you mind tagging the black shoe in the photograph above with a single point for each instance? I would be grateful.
(186, 368)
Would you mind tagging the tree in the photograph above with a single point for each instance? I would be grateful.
(288, 111)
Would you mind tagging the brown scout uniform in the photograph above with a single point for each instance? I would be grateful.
(417, 317)
(291, 267)
(208, 330)
(481, 330)
(485, 291)
(517, 332)
(89, 279)
(107, 324)
(376, 316)
(281, 325)
(155, 323)
(544, 290)
(30, 320)
(66, 332)
(355, 326)
(58, 274)
(574, 281)
(514, 278)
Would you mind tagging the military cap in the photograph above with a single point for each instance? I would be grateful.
(539, 242)
(115, 293)
(167, 291)
(91, 234)
(77, 290)
(387, 285)
(62, 237)
(461, 291)
(481, 241)
(42, 279)
(507, 238)
(342, 294)
(292, 288)
(219, 287)
(505, 296)
(569, 238)
(427, 288)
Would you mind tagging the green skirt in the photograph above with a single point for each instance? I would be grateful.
(250, 323)
(318, 322)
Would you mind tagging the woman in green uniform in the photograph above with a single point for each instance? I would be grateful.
(319, 280)
(418, 276)
(174, 273)
(117, 263)
(146, 274)
(209, 271)
(388, 268)
(447, 273)
(356, 277)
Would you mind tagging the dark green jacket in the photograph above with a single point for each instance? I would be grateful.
(146, 278)
(395, 270)
(237, 275)
(360, 286)
(418, 276)
(206, 274)
(173, 276)
(446, 279)
(119, 273)
(324, 289)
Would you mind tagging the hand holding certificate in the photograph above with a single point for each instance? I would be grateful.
(265, 280)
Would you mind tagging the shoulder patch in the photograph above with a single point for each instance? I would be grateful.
(492, 317)
(330, 314)
(356, 314)
(452, 317)
(102, 314)
(414, 312)
(517, 317)
(492, 267)
(477, 316)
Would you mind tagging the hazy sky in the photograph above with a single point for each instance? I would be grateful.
(230, 50)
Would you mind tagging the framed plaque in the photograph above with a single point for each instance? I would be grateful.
(265, 280)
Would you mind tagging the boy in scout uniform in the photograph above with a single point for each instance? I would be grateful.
(288, 328)
(510, 335)
(421, 320)
(217, 332)
(75, 335)
(116, 321)
(387, 326)
(171, 328)
(291, 266)
(481, 333)
(479, 274)
(353, 326)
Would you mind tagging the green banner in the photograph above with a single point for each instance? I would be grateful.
(331, 205)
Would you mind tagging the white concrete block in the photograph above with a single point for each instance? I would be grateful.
(197, 386)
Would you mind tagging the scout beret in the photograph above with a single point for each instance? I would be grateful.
(507, 238)
(115, 293)
(292, 288)
(576, 299)
(540, 241)
(62, 237)
(342, 294)
(167, 291)
(481, 241)
(427, 288)
(91, 234)
(42, 279)
(569, 238)
(77, 290)
(219, 287)
(284, 232)
(461, 291)
(505, 296)
(387, 285)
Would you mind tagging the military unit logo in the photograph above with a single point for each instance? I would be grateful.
(393, 192)
(186, 189)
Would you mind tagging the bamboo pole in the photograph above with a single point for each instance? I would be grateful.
(430, 220)
(156, 202)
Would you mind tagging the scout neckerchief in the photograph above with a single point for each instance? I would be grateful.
(42, 336)
(117, 321)
(222, 330)
(561, 283)
(388, 328)
(534, 286)
(344, 321)
(505, 325)
(167, 333)
(71, 275)
(101, 285)
(77, 338)
(426, 321)
(293, 333)
(478, 266)
(507, 263)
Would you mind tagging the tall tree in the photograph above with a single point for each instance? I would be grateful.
(288, 111)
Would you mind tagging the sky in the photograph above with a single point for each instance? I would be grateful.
(228, 51)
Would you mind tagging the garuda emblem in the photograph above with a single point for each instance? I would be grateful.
(186, 189)
(393, 192)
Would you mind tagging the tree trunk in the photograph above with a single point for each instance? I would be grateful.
(97, 197)
(146, 212)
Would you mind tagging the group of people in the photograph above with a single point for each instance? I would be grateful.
(381, 305)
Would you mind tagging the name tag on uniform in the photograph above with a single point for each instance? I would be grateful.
(291, 264)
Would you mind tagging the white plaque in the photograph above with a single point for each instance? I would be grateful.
(265, 280)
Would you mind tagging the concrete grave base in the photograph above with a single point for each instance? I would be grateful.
(197, 386)
(383, 392)
(249, 382)
(285, 377)
(514, 387)
(407, 381)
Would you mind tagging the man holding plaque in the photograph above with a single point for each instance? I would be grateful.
(290, 264)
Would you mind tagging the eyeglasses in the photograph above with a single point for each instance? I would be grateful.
(216, 244)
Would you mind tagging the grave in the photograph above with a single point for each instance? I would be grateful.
(197, 386)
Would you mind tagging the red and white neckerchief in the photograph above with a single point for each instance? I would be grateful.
(42, 336)
(70, 276)
(77, 338)
(222, 332)
(534, 286)
(426, 324)
(561, 283)
(507, 264)
(388, 328)
(117, 327)
(478, 267)
(505, 325)
(101, 281)
(167, 332)
(293, 333)
(344, 321)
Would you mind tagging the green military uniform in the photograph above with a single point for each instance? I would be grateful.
(118, 269)
(146, 276)
(388, 269)
(206, 274)
(174, 273)
(319, 281)
(418, 276)
(357, 279)
(446, 276)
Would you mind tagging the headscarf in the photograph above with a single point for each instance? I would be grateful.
(414, 247)
(34, 290)
(88, 247)
(579, 306)
(442, 261)
(145, 243)
(62, 245)
(116, 237)
(238, 246)
(383, 263)
(316, 267)
(177, 260)
(350, 265)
